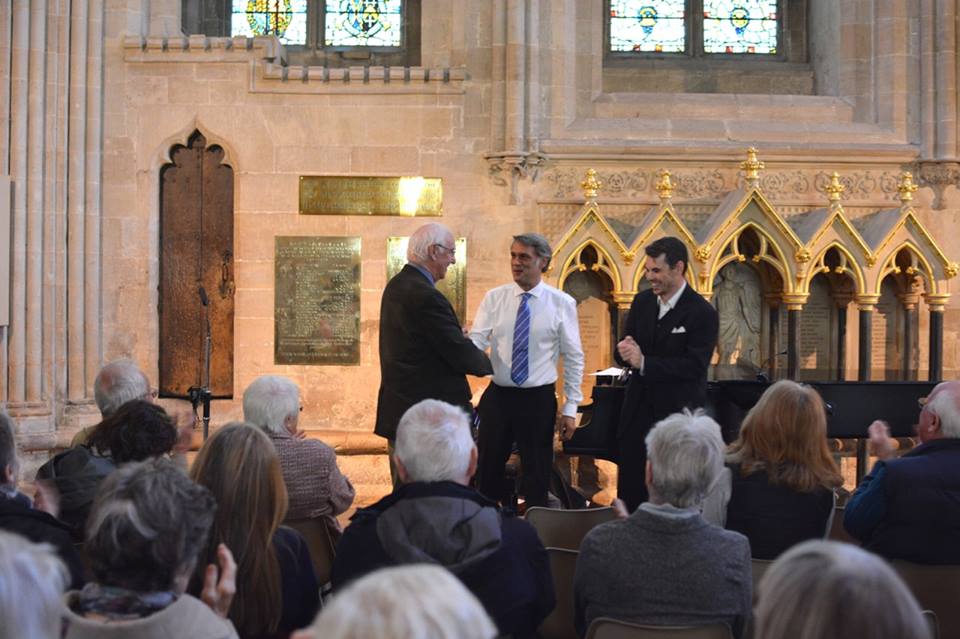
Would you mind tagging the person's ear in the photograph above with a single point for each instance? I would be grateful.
(472, 468)
(9, 474)
(402, 473)
(648, 474)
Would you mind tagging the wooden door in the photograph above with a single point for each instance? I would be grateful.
(196, 251)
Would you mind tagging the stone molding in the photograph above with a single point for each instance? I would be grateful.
(272, 75)
(938, 176)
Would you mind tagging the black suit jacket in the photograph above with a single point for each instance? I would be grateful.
(676, 351)
(423, 353)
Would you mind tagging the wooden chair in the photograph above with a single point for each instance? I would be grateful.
(837, 531)
(320, 543)
(935, 588)
(606, 628)
(559, 623)
(566, 528)
(759, 568)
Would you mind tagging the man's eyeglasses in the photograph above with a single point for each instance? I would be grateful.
(448, 249)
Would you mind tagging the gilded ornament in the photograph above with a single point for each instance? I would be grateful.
(906, 188)
(952, 269)
(751, 166)
(591, 185)
(703, 253)
(803, 256)
(664, 185)
(835, 188)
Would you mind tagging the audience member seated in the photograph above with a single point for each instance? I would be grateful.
(277, 590)
(909, 508)
(117, 383)
(665, 564)
(419, 601)
(778, 489)
(19, 515)
(147, 526)
(827, 589)
(139, 430)
(32, 581)
(315, 486)
(435, 517)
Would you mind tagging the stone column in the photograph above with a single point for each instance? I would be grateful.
(909, 302)
(17, 342)
(773, 336)
(867, 304)
(794, 303)
(842, 301)
(936, 304)
(515, 77)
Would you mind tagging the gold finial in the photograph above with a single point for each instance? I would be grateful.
(751, 166)
(664, 185)
(591, 185)
(835, 189)
(906, 188)
(952, 269)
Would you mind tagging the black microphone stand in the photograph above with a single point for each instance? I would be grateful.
(202, 393)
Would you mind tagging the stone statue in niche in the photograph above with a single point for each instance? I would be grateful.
(738, 301)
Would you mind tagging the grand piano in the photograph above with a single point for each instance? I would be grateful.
(851, 407)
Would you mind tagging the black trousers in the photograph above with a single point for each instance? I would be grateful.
(528, 417)
(631, 466)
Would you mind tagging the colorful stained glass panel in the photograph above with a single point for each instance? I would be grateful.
(740, 26)
(287, 19)
(648, 25)
(362, 23)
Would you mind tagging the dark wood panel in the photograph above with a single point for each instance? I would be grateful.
(196, 249)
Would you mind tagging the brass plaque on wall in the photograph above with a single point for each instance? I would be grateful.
(317, 300)
(350, 195)
(453, 285)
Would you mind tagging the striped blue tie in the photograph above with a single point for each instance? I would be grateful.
(519, 369)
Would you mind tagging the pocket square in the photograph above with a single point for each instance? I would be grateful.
(678, 329)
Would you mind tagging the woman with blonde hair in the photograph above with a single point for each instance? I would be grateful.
(277, 589)
(825, 589)
(779, 488)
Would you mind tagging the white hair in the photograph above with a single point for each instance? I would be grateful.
(418, 248)
(433, 442)
(32, 581)
(685, 451)
(945, 404)
(823, 589)
(418, 600)
(117, 383)
(269, 400)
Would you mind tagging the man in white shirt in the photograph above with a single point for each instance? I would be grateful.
(527, 326)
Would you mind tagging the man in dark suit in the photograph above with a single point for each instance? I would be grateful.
(423, 351)
(668, 341)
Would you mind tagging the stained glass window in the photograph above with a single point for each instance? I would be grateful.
(285, 18)
(648, 25)
(362, 23)
(740, 26)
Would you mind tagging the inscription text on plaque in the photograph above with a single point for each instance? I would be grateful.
(353, 195)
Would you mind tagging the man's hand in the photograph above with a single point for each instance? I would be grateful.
(218, 592)
(567, 426)
(620, 509)
(881, 444)
(630, 352)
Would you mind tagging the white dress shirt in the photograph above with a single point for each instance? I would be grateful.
(554, 333)
(666, 307)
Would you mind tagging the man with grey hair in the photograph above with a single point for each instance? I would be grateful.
(909, 508)
(18, 515)
(32, 581)
(435, 517)
(528, 326)
(315, 485)
(665, 564)
(423, 351)
(117, 383)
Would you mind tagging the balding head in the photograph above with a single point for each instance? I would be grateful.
(944, 403)
(117, 383)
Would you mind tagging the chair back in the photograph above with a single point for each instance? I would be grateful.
(837, 531)
(931, 618)
(559, 623)
(559, 528)
(320, 543)
(759, 568)
(935, 588)
(606, 628)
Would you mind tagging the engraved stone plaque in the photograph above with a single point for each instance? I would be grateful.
(817, 333)
(453, 285)
(317, 300)
(593, 315)
(352, 195)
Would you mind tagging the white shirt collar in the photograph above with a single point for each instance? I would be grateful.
(670, 303)
(535, 291)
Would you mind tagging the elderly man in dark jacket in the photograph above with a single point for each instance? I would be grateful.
(435, 517)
